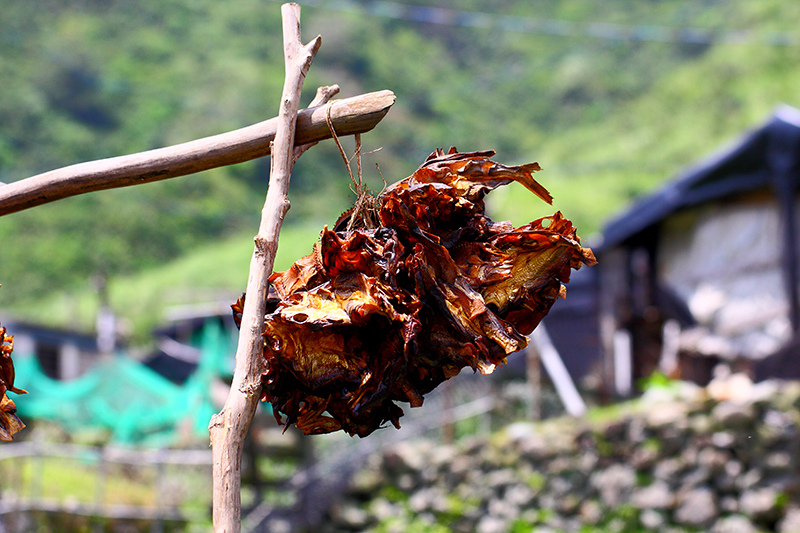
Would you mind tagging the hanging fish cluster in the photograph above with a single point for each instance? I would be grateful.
(9, 421)
(384, 312)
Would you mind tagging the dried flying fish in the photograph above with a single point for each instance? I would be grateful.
(9, 421)
(378, 315)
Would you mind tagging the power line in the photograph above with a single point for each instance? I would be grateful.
(557, 27)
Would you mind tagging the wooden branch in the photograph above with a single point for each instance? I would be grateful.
(350, 115)
(323, 96)
(229, 428)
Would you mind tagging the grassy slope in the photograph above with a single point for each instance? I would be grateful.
(596, 168)
(213, 272)
(607, 121)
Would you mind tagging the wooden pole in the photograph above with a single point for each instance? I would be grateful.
(229, 427)
(555, 368)
(358, 114)
(533, 371)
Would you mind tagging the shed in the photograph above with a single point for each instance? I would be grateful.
(705, 270)
(62, 354)
(181, 341)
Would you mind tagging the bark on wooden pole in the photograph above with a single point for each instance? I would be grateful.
(349, 116)
(229, 428)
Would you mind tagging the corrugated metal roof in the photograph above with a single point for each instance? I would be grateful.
(747, 164)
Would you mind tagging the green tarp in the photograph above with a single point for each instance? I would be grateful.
(133, 403)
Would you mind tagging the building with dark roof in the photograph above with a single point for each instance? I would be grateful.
(702, 271)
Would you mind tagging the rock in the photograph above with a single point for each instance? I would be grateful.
(726, 480)
(279, 525)
(652, 520)
(365, 482)
(776, 427)
(667, 470)
(519, 495)
(637, 431)
(729, 504)
(534, 448)
(673, 440)
(667, 415)
(696, 508)
(492, 524)
(643, 457)
(749, 479)
(734, 524)
(731, 388)
(615, 525)
(655, 496)
(689, 455)
(518, 432)
(403, 458)
(548, 501)
(614, 484)
(442, 456)
(560, 524)
(428, 499)
(499, 479)
(723, 439)
(713, 458)
(790, 523)
(560, 465)
(696, 477)
(777, 462)
(568, 504)
(382, 509)
(590, 512)
(588, 461)
(460, 467)
(616, 431)
(500, 508)
(701, 423)
(760, 505)
(350, 516)
(766, 392)
(732, 415)
(559, 486)
(690, 392)
(406, 482)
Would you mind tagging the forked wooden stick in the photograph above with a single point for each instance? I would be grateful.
(358, 114)
(230, 426)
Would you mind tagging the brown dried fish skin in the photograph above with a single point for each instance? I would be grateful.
(379, 315)
(10, 423)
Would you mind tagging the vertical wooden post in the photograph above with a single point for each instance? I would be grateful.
(100, 490)
(533, 372)
(157, 524)
(228, 429)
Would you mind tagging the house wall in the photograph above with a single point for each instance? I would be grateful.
(724, 260)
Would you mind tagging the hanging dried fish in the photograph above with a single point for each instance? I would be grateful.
(384, 313)
(9, 421)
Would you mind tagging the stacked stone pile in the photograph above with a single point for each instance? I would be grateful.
(724, 459)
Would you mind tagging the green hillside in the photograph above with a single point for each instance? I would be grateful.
(610, 98)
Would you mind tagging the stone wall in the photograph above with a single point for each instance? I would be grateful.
(724, 459)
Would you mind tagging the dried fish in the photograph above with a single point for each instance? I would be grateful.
(385, 313)
(10, 423)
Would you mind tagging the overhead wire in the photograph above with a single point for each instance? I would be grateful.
(559, 27)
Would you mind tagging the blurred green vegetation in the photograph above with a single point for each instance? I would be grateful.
(607, 119)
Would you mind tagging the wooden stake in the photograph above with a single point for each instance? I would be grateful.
(229, 428)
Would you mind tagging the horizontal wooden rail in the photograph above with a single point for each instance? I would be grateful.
(14, 450)
(349, 116)
(113, 511)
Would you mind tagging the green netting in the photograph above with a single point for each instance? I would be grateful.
(129, 400)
